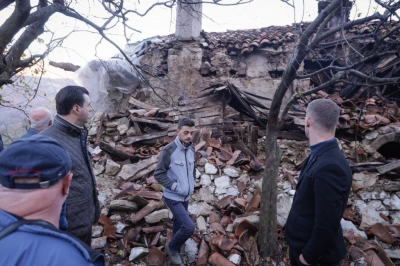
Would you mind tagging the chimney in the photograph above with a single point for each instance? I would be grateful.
(188, 19)
(341, 16)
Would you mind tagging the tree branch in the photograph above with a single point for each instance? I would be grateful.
(364, 60)
(373, 79)
(28, 36)
(296, 96)
(346, 26)
(294, 63)
(14, 23)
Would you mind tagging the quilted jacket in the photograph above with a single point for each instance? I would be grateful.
(82, 204)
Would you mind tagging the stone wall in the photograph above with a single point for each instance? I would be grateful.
(192, 66)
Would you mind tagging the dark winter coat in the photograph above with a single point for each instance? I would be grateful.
(82, 204)
(313, 226)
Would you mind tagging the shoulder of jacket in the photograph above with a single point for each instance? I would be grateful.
(170, 147)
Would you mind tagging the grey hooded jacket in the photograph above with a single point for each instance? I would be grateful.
(82, 204)
(175, 171)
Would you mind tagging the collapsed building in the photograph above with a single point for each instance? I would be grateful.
(225, 81)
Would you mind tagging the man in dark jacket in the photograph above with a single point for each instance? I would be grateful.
(313, 231)
(175, 171)
(39, 119)
(73, 107)
(34, 182)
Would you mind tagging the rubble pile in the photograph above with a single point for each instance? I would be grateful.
(135, 223)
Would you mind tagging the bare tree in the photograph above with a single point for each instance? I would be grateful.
(27, 22)
(326, 39)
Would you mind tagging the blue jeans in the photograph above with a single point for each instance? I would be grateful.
(183, 224)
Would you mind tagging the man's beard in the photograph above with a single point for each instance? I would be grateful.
(186, 144)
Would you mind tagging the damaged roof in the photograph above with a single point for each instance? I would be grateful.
(247, 41)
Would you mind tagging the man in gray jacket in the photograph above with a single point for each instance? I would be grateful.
(175, 171)
(73, 107)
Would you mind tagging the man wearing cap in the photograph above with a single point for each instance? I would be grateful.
(34, 183)
(73, 107)
(39, 119)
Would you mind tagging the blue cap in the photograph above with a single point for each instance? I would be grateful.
(39, 157)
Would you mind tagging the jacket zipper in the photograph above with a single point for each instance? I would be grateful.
(187, 171)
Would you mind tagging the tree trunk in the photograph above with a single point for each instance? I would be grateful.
(267, 238)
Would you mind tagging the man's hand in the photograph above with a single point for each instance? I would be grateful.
(302, 260)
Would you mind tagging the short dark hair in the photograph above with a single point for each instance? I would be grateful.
(68, 96)
(185, 121)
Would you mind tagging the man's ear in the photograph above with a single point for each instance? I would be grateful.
(177, 131)
(50, 122)
(66, 183)
(75, 109)
(307, 121)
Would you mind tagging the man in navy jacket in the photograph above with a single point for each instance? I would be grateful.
(39, 119)
(313, 231)
(35, 176)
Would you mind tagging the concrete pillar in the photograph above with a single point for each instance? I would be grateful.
(188, 20)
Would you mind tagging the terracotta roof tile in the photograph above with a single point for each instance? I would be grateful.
(246, 41)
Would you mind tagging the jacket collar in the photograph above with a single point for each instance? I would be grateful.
(68, 127)
(179, 143)
(326, 147)
(32, 131)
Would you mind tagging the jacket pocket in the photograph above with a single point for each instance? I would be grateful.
(181, 189)
(181, 176)
(179, 170)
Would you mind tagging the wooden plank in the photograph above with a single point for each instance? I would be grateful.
(99, 130)
(149, 208)
(137, 129)
(387, 167)
(165, 120)
(154, 122)
(186, 108)
(201, 122)
(366, 164)
(129, 171)
(199, 100)
(140, 104)
(112, 116)
(201, 115)
(121, 154)
(155, 135)
(203, 110)
(144, 172)
(253, 139)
